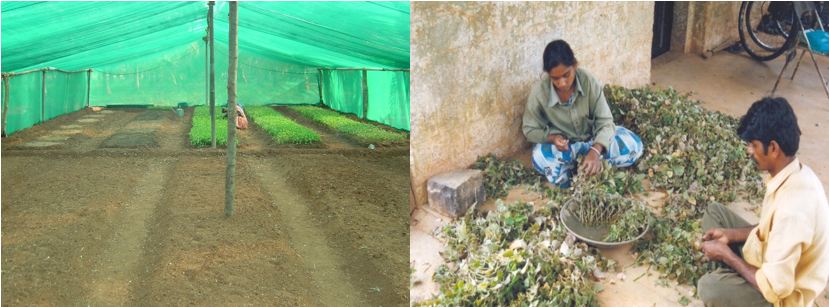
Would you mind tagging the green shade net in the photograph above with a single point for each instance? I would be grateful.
(25, 107)
(164, 79)
(66, 93)
(342, 90)
(153, 53)
(388, 98)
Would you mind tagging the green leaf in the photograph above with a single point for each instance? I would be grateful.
(679, 170)
(684, 300)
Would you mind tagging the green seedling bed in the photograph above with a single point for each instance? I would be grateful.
(281, 129)
(361, 131)
(200, 135)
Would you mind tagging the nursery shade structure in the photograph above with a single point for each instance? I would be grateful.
(154, 53)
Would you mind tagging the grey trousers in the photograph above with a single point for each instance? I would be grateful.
(724, 286)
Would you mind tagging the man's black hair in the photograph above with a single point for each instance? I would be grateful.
(771, 119)
(558, 52)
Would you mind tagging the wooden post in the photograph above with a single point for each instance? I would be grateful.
(206, 70)
(365, 94)
(212, 74)
(233, 47)
(5, 100)
(319, 84)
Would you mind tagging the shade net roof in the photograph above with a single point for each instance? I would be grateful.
(78, 35)
(155, 53)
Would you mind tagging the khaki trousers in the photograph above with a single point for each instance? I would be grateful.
(724, 286)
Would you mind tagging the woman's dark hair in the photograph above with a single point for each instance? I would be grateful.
(771, 119)
(558, 52)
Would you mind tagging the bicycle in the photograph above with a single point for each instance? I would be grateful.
(772, 27)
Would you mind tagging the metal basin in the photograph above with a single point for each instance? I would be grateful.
(592, 235)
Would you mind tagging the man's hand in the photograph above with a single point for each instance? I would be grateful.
(717, 234)
(562, 144)
(592, 163)
(716, 250)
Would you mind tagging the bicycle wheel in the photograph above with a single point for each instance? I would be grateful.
(769, 31)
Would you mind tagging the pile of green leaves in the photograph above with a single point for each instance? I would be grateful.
(200, 135)
(282, 129)
(361, 131)
(697, 157)
(501, 175)
(674, 250)
(687, 145)
(515, 256)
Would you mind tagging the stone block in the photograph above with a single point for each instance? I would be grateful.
(452, 193)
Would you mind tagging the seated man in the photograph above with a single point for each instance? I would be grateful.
(784, 260)
(567, 115)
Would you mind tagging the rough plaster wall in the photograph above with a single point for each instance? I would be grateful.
(705, 25)
(474, 64)
(721, 24)
(679, 28)
(696, 24)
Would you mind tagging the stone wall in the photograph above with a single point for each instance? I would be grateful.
(474, 64)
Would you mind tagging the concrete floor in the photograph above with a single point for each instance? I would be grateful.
(726, 82)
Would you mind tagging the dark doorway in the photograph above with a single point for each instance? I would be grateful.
(663, 19)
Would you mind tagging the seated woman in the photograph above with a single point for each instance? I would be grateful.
(567, 115)
(241, 118)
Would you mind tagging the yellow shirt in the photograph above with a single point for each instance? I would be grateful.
(789, 246)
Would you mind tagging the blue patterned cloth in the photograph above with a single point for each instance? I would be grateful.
(625, 149)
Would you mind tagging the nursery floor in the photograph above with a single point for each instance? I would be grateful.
(729, 83)
(114, 207)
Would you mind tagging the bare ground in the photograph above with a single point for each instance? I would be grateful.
(114, 207)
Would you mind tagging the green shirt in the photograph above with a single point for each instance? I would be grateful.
(587, 117)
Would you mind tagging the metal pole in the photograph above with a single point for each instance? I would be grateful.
(365, 94)
(230, 180)
(212, 76)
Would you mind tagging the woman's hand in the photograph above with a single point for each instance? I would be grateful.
(559, 142)
(592, 163)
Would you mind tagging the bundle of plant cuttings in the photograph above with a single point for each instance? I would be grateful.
(606, 199)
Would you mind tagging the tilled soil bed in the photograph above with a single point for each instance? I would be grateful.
(114, 207)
